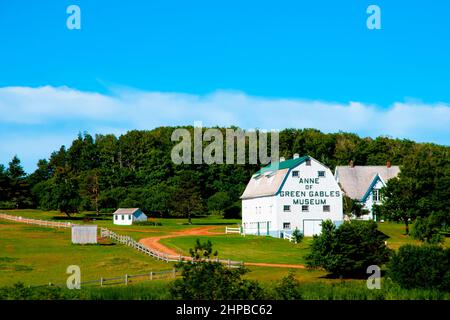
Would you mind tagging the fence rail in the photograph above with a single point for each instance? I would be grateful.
(233, 230)
(105, 233)
(152, 275)
(44, 223)
(288, 236)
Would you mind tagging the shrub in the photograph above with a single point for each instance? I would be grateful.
(288, 288)
(233, 212)
(424, 266)
(210, 280)
(297, 235)
(347, 251)
(148, 223)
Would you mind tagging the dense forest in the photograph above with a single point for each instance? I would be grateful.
(105, 172)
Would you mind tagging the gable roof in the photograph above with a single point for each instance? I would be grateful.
(126, 211)
(287, 164)
(269, 179)
(357, 181)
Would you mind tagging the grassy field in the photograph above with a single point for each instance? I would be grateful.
(135, 231)
(36, 255)
(248, 249)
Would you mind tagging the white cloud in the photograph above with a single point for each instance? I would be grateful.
(58, 113)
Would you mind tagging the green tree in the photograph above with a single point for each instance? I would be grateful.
(218, 202)
(18, 187)
(353, 208)
(421, 267)
(347, 251)
(203, 279)
(400, 201)
(66, 192)
(187, 200)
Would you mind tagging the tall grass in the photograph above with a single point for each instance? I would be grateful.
(159, 290)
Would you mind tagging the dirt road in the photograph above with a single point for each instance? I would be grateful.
(154, 244)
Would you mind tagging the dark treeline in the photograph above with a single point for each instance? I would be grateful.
(104, 172)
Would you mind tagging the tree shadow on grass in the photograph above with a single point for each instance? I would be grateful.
(361, 276)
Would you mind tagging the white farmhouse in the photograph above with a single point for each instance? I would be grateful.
(292, 194)
(363, 183)
(128, 216)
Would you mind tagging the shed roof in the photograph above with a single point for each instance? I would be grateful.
(355, 181)
(126, 210)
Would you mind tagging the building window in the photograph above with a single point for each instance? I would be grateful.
(326, 208)
(305, 208)
(287, 208)
(295, 173)
(286, 225)
(308, 162)
(321, 174)
(129, 217)
(123, 217)
(376, 195)
(116, 217)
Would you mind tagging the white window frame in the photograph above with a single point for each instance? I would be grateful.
(286, 228)
(321, 174)
(376, 197)
(307, 208)
(288, 208)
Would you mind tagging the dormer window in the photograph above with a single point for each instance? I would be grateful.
(308, 162)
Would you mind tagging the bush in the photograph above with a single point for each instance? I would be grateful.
(148, 223)
(297, 235)
(233, 212)
(288, 288)
(210, 280)
(347, 251)
(421, 267)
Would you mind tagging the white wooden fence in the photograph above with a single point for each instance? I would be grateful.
(233, 230)
(43, 223)
(126, 279)
(105, 233)
(288, 236)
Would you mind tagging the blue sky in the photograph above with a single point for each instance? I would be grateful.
(309, 63)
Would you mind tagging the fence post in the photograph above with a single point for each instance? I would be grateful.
(229, 263)
(174, 273)
(126, 279)
(151, 275)
(101, 282)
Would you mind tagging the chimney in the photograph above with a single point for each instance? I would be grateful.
(351, 164)
(282, 159)
(388, 164)
(296, 155)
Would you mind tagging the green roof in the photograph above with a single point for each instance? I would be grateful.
(287, 164)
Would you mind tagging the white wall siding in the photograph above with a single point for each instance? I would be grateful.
(308, 188)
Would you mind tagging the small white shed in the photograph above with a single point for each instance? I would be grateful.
(84, 234)
(126, 216)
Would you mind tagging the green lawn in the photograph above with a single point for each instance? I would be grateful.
(36, 255)
(247, 249)
(397, 237)
(135, 231)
